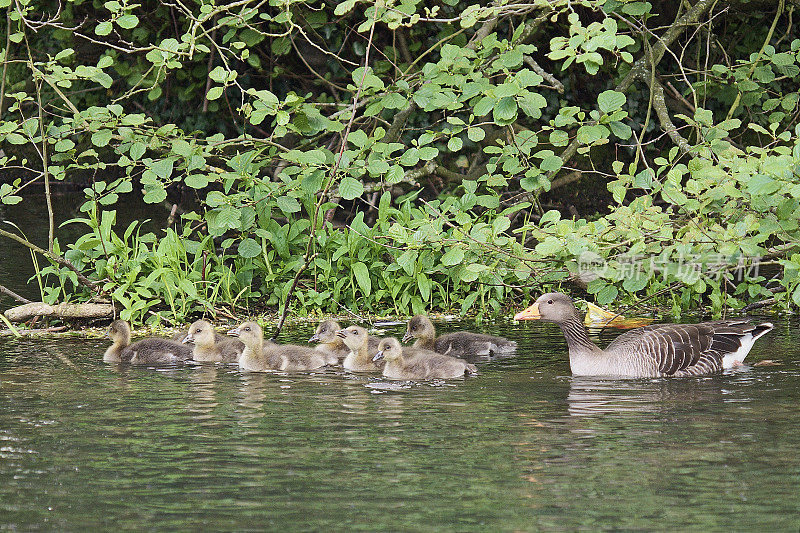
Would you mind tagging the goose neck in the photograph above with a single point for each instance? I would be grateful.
(577, 336)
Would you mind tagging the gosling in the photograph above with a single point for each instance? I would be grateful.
(149, 351)
(414, 363)
(210, 347)
(259, 356)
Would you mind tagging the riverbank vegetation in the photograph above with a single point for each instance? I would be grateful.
(399, 156)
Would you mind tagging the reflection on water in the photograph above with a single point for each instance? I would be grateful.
(522, 446)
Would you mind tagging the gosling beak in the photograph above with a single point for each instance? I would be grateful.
(408, 336)
(187, 338)
(378, 356)
(234, 332)
(342, 334)
(531, 313)
(314, 338)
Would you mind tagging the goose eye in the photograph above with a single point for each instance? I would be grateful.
(550, 302)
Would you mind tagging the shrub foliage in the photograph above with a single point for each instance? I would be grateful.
(400, 156)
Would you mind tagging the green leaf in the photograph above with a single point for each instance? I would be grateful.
(476, 134)
(101, 138)
(104, 28)
(362, 277)
(288, 204)
(607, 295)
(610, 101)
(137, 150)
(350, 188)
(505, 111)
(761, 185)
(455, 144)
(454, 256)
(128, 21)
(249, 248)
(214, 92)
(196, 181)
(408, 261)
(154, 193)
(484, 105)
(63, 145)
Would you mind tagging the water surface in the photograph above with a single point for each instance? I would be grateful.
(523, 446)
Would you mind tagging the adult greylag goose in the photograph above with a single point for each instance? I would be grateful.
(333, 347)
(650, 351)
(463, 344)
(359, 359)
(418, 363)
(149, 351)
(260, 355)
(209, 346)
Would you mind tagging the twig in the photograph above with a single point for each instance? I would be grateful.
(12, 294)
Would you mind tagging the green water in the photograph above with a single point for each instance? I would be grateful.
(523, 446)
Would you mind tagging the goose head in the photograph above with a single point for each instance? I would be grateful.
(419, 327)
(551, 307)
(388, 349)
(120, 332)
(326, 332)
(200, 333)
(250, 334)
(354, 337)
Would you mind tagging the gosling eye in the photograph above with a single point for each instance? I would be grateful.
(247, 328)
(355, 332)
(198, 330)
(550, 302)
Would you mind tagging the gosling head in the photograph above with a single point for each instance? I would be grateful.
(354, 337)
(419, 327)
(249, 333)
(551, 307)
(326, 332)
(201, 333)
(389, 349)
(120, 332)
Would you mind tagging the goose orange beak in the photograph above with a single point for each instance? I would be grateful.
(531, 313)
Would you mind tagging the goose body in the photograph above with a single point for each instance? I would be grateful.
(332, 347)
(261, 356)
(463, 344)
(209, 346)
(151, 351)
(417, 363)
(359, 358)
(650, 351)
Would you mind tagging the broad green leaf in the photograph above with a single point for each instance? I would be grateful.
(610, 101)
(454, 256)
(249, 248)
(362, 277)
(350, 188)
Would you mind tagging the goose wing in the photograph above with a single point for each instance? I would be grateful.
(686, 349)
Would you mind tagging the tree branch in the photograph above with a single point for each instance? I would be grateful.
(12, 294)
(660, 106)
(55, 258)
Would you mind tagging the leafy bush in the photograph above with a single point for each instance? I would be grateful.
(437, 135)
